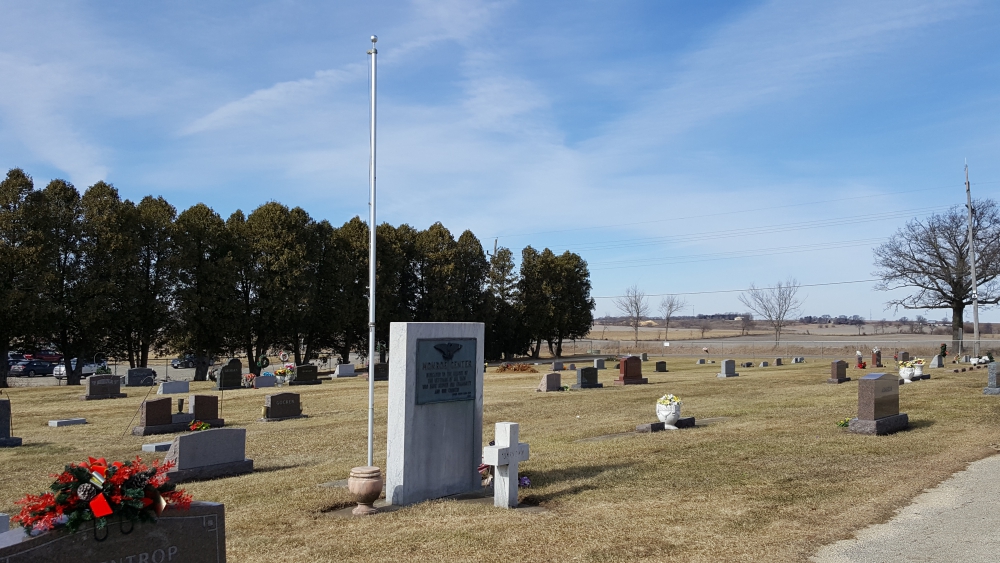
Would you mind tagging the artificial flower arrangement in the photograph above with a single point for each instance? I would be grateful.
(918, 362)
(844, 422)
(668, 400)
(248, 380)
(906, 364)
(287, 372)
(95, 490)
(197, 425)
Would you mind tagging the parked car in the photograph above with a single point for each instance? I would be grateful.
(31, 368)
(88, 368)
(183, 362)
(47, 356)
(14, 357)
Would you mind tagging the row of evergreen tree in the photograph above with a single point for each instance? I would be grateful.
(94, 274)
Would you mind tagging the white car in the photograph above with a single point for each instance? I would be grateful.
(88, 368)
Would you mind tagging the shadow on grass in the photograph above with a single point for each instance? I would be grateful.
(271, 468)
(920, 423)
(565, 475)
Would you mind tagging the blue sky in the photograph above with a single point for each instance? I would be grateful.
(681, 146)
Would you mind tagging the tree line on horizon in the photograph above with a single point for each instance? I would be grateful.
(92, 274)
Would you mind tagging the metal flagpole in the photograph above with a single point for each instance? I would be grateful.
(972, 260)
(371, 264)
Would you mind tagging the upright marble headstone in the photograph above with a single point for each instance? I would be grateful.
(991, 385)
(937, 362)
(599, 363)
(196, 534)
(230, 375)
(103, 387)
(550, 382)
(586, 378)
(878, 406)
(435, 418)
(6, 440)
(728, 369)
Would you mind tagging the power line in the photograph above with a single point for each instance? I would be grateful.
(737, 290)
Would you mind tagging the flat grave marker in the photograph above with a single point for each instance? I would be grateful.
(67, 422)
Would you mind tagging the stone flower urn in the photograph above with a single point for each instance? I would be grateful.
(668, 414)
(365, 483)
(918, 370)
(906, 374)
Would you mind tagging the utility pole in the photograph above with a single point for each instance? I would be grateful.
(972, 264)
(371, 264)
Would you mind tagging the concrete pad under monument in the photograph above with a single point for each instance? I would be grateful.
(435, 418)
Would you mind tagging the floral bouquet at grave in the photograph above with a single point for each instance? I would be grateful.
(844, 422)
(906, 364)
(918, 361)
(198, 425)
(288, 372)
(668, 400)
(95, 490)
(944, 350)
(247, 380)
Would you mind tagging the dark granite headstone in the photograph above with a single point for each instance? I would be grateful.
(381, 372)
(777, 361)
(140, 377)
(306, 375)
(156, 412)
(6, 440)
(877, 359)
(630, 372)
(661, 367)
(282, 405)
(194, 535)
(204, 407)
(838, 372)
(586, 378)
(904, 356)
(230, 375)
(878, 405)
(103, 387)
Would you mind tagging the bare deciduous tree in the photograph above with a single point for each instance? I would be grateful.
(775, 304)
(668, 306)
(932, 257)
(746, 323)
(634, 306)
(704, 326)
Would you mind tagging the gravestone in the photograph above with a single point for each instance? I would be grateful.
(644, 357)
(746, 365)
(67, 422)
(103, 387)
(204, 407)
(557, 366)
(763, 364)
(728, 369)
(630, 372)
(282, 406)
(572, 367)
(550, 382)
(230, 375)
(878, 406)
(6, 440)
(4, 523)
(381, 372)
(208, 454)
(798, 360)
(991, 386)
(156, 412)
(877, 359)
(700, 362)
(263, 381)
(661, 367)
(905, 356)
(173, 388)
(777, 361)
(306, 374)
(344, 370)
(196, 534)
(505, 456)
(435, 418)
(157, 447)
(140, 377)
(838, 372)
(965, 359)
(599, 363)
(586, 378)
(937, 362)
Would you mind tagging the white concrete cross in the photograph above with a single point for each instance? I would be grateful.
(505, 456)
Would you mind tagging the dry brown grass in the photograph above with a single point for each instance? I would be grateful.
(773, 482)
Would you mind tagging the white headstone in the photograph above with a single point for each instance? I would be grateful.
(171, 387)
(345, 370)
(599, 363)
(67, 422)
(435, 418)
(505, 456)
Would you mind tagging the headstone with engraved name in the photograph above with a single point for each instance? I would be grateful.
(435, 418)
(838, 372)
(173, 388)
(103, 387)
(140, 377)
(230, 375)
(381, 370)
(282, 406)
(550, 382)
(586, 378)
(728, 369)
(306, 375)
(6, 440)
(344, 370)
(878, 406)
(194, 535)
(630, 372)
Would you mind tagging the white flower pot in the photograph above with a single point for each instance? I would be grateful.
(906, 374)
(918, 370)
(668, 414)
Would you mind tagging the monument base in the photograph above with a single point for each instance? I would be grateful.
(724, 375)
(211, 471)
(991, 391)
(835, 380)
(586, 386)
(231, 388)
(310, 382)
(632, 381)
(10, 442)
(171, 428)
(99, 397)
(280, 418)
(881, 426)
(685, 422)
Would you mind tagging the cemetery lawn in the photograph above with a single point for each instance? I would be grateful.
(772, 477)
